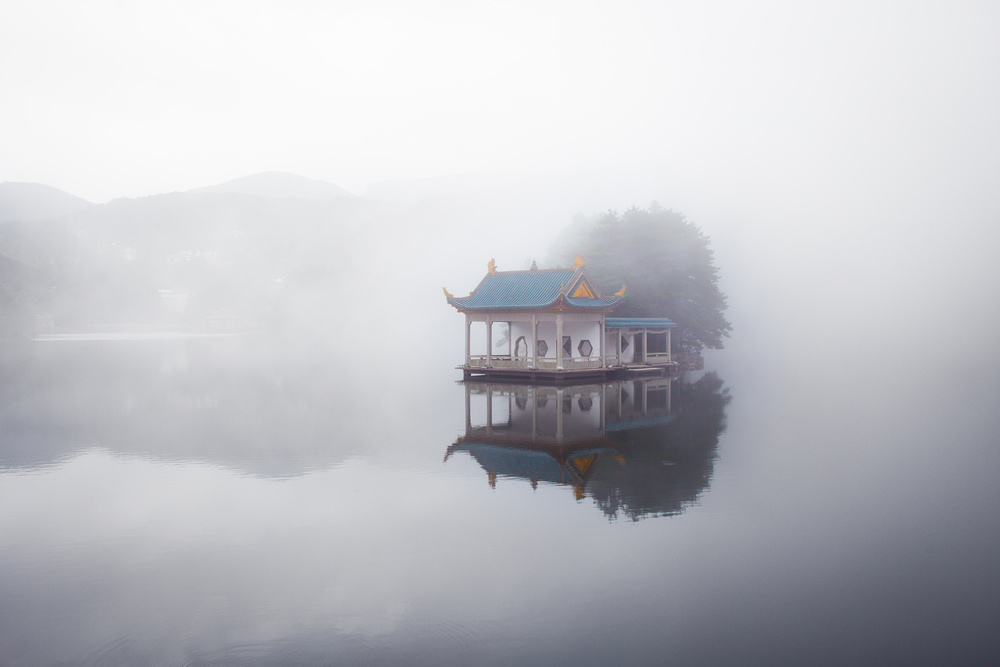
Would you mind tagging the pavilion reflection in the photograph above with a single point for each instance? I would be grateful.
(638, 448)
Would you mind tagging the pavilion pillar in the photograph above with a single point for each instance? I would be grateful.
(534, 340)
(559, 342)
(645, 345)
(601, 343)
(489, 341)
(468, 339)
(670, 355)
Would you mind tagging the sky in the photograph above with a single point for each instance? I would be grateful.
(109, 99)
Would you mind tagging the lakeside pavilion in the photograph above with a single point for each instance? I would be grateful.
(557, 327)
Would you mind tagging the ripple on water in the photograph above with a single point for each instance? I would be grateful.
(296, 651)
(423, 637)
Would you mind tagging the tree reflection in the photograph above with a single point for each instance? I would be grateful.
(639, 448)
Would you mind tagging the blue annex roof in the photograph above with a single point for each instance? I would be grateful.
(528, 289)
(637, 323)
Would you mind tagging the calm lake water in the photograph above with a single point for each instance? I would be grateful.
(240, 500)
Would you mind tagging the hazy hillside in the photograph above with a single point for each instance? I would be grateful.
(195, 261)
(218, 261)
(278, 184)
(34, 201)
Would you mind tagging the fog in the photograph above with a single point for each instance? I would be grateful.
(289, 359)
(837, 155)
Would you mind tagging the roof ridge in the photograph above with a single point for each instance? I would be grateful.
(533, 271)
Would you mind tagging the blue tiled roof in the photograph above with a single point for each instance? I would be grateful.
(637, 322)
(584, 302)
(525, 289)
(528, 463)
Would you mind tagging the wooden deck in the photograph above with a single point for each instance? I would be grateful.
(568, 376)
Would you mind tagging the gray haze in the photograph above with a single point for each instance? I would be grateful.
(843, 152)
(317, 172)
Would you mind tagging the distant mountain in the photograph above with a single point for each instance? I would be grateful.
(34, 201)
(278, 184)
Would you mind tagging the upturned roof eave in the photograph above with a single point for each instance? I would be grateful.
(559, 304)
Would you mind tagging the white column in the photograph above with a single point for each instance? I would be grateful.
(670, 356)
(534, 340)
(645, 345)
(468, 340)
(489, 340)
(559, 343)
(601, 344)
(618, 345)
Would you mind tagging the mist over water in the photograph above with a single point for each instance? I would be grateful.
(231, 427)
(283, 495)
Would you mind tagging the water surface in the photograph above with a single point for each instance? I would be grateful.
(223, 501)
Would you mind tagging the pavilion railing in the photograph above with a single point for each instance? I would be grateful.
(569, 363)
(542, 363)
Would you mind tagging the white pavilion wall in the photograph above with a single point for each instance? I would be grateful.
(547, 332)
(612, 341)
(577, 331)
(518, 329)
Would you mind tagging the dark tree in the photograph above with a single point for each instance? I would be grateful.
(667, 265)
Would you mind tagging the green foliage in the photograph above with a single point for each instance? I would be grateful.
(667, 264)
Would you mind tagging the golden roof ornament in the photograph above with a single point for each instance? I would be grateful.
(447, 293)
(621, 292)
(492, 266)
(578, 264)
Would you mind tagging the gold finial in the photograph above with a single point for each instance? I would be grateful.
(492, 266)
(621, 292)
(562, 287)
(579, 262)
(447, 293)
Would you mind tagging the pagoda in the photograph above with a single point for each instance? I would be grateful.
(557, 328)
